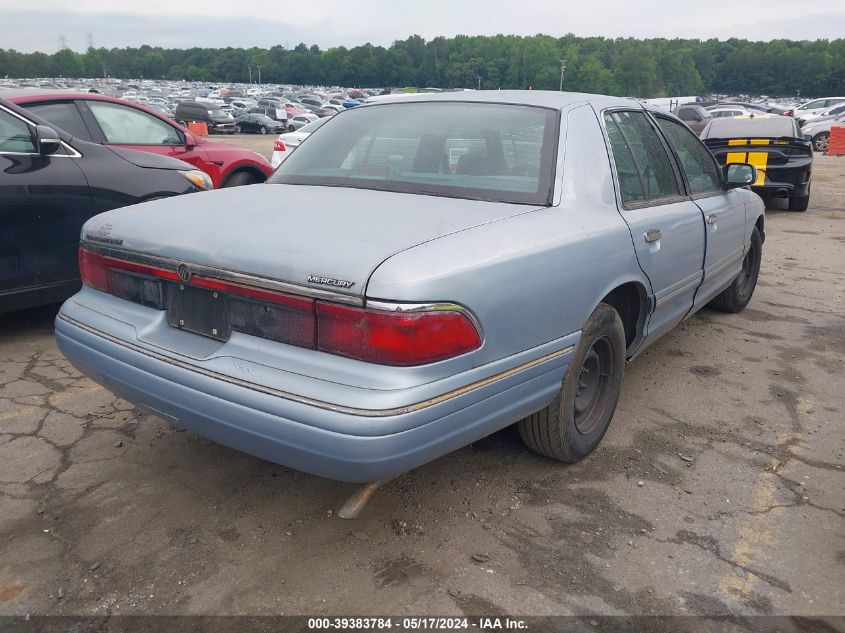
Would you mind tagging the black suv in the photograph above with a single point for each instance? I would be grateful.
(218, 122)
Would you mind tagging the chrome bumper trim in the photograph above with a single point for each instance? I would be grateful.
(368, 413)
(220, 273)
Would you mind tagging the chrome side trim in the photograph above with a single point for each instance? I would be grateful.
(221, 274)
(369, 413)
(730, 260)
(677, 291)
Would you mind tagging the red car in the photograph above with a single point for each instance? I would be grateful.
(111, 121)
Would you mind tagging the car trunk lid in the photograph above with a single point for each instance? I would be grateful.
(328, 238)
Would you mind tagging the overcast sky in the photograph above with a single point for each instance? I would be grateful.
(264, 23)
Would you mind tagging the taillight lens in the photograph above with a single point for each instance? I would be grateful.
(394, 338)
(279, 146)
(376, 336)
(789, 113)
(92, 269)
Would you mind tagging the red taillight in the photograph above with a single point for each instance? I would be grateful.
(789, 113)
(376, 336)
(394, 338)
(93, 271)
(279, 146)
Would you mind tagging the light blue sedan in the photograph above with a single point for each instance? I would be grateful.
(418, 275)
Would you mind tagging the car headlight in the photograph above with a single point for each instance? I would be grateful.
(199, 179)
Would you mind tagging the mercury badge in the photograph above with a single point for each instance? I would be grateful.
(184, 273)
(329, 281)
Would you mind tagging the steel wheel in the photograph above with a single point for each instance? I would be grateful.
(594, 385)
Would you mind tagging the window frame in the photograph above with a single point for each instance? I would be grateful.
(92, 132)
(99, 137)
(636, 205)
(679, 162)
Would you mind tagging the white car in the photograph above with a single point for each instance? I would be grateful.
(819, 132)
(736, 112)
(815, 106)
(289, 141)
(299, 121)
(828, 113)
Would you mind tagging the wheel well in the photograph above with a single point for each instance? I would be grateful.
(760, 223)
(631, 303)
(259, 177)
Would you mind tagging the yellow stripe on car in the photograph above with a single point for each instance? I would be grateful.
(758, 159)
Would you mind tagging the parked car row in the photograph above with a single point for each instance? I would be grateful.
(51, 183)
(117, 122)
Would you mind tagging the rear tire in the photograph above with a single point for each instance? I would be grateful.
(821, 142)
(238, 129)
(240, 178)
(736, 296)
(291, 128)
(574, 423)
(263, 129)
(800, 204)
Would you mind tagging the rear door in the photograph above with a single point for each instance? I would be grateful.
(44, 200)
(724, 210)
(667, 227)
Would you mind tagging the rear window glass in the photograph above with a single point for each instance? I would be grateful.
(773, 127)
(466, 150)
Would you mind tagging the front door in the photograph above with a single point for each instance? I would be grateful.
(44, 200)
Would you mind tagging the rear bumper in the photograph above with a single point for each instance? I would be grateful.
(303, 436)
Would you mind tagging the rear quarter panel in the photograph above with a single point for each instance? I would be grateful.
(535, 277)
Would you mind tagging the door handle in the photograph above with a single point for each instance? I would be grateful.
(652, 235)
(712, 218)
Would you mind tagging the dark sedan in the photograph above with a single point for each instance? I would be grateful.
(260, 123)
(775, 145)
(50, 184)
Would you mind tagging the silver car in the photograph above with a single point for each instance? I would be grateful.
(416, 276)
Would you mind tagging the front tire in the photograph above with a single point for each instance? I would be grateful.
(574, 423)
(263, 129)
(238, 129)
(239, 179)
(736, 296)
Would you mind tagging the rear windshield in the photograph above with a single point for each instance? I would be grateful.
(774, 127)
(501, 153)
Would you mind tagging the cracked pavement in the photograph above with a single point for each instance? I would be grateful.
(718, 489)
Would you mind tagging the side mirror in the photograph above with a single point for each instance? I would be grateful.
(190, 141)
(48, 140)
(740, 175)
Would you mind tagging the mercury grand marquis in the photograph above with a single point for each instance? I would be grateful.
(416, 276)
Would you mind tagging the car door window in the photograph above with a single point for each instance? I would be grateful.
(128, 126)
(15, 135)
(643, 167)
(696, 160)
(63, 114)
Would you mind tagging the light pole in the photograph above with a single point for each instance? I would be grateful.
(249, 68)
(562, 69)
(259, 75)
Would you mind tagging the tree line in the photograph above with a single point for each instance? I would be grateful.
(623, 66)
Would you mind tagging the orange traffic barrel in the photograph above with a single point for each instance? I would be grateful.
(198, 128)
(836, 145)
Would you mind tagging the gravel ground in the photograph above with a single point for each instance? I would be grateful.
(718, 489)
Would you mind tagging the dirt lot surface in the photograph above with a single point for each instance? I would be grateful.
(719, 487)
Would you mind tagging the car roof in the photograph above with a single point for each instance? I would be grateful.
(542, 98)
